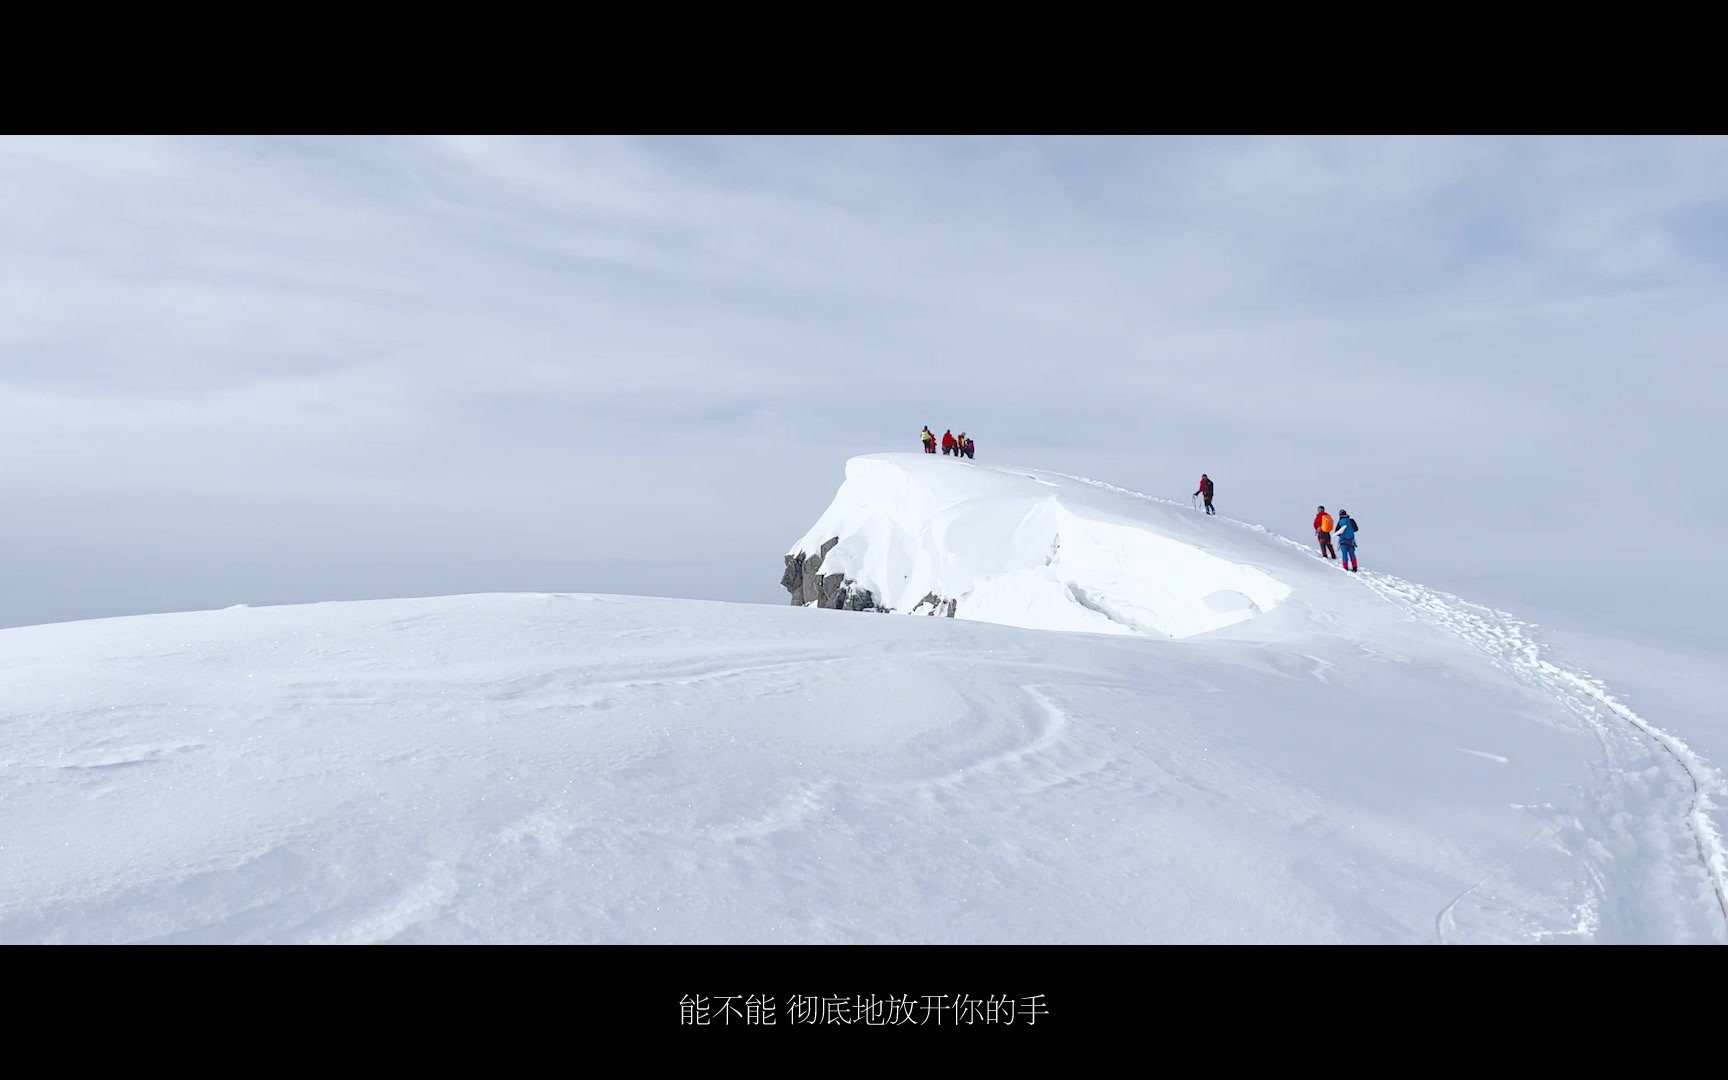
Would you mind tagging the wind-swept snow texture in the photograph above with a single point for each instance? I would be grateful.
(1364, 760)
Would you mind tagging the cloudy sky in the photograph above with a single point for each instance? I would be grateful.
(269, 370)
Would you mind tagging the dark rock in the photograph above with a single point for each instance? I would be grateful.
(830, 591)
(804, 580)
(813, 581)
(935, 605)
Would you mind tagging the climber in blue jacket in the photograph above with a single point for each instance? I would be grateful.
(1346, 533)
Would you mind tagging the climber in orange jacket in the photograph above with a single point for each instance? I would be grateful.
(1323, 532)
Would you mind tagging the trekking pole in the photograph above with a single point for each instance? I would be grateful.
(1195, 501)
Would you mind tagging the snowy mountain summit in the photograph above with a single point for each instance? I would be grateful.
(922, 534)
(1231, 741)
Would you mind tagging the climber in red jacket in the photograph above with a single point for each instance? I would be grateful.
(1323, 533)
(948, 443)
(1205, 491)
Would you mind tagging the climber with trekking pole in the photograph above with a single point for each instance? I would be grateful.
(1205, 491)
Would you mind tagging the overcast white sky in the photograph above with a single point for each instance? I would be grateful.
(263, 370)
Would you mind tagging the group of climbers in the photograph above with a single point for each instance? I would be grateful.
(1345, 529)
(960, 446)
(1324, 528)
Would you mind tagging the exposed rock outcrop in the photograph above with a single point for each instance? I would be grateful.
(810, 587)
(932, 604)
(803, 577)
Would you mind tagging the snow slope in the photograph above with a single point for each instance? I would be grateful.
(1358, 760)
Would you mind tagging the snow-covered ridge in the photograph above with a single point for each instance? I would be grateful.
(1032, 549)
(1642, 759)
